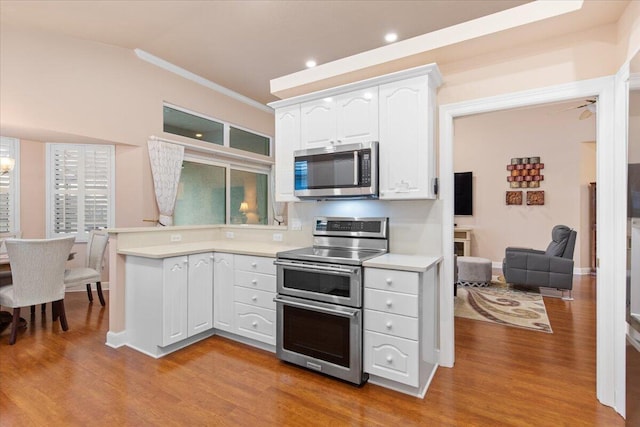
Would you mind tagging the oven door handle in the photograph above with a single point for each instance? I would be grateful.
(316, 267)
(343, 312)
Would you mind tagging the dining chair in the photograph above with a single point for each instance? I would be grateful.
(37, 269)
(92, 270)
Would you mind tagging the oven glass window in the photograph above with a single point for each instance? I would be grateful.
(318, 335)
(322, 283)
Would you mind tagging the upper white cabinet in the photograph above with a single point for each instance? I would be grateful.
(407, 157)
(343, 119)
(287, 141)
(395, 109)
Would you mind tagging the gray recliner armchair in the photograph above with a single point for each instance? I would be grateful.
(552, 268)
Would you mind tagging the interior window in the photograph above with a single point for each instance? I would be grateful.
(182, 123)
(249, 197)
(248, 141)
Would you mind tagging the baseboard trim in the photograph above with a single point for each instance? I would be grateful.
(116, 339)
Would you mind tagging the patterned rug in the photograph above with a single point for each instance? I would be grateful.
(501, 303)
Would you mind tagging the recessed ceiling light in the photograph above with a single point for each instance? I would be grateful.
(310, 63)
(391, 37)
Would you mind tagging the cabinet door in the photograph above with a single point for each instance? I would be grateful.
(318, 123)
(391, 357)
(287, 141)
(406, 140)
(357, 116)
(200, 293)
(223, 292)
(174, 299)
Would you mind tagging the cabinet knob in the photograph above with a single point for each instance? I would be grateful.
(254, 281)
(332, 142)
(254, 298)
(254, 265)
(389, 303)
(339, 141)
(389, 281)
(389, 359)
(254, 324)
(389, 325)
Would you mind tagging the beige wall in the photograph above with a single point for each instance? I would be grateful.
(60, 89)
(484, 144)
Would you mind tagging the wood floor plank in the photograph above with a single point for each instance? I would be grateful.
(503, 376)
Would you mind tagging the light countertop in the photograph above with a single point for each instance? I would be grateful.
(229, 246)
(391, 261)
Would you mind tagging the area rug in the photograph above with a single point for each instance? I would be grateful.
(501, 303)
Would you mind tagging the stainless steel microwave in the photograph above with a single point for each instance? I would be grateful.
(343, 171)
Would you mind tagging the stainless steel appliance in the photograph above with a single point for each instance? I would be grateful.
(319, 301)
(342, 171)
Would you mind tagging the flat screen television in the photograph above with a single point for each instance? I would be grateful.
(463, 193)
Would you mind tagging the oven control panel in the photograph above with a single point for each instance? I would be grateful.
(355, 227)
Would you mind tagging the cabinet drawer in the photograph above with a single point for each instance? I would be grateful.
(248, 279)
(391, 280)
(391, 302)
(256, 264)
(254, 297)
(390, 357)
(255, 322)
(391, 324)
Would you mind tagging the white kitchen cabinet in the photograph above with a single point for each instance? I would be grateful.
(344, 119)
(175, 294)
(169, 302)
(407, 156)
(400, 328)
(223, 292)
(200, 298)
(287, 141)
(254, 291)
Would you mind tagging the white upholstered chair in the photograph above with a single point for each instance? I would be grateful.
(91, 272)
(37, 269)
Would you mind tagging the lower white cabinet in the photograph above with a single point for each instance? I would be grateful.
(223, 292)
(400, 328)
(169, 302)
(254, 290)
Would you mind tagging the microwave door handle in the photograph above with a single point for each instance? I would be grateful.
(343, 312)
(356, 166)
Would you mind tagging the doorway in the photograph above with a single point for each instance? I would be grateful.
(603, 88)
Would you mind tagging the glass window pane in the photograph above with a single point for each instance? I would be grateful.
(180, 123)
(247, 141)
(201, 195)
(249, 198)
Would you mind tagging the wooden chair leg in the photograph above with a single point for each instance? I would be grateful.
(63, 316)
(100, 296)
(89, 292)
(43, 308)
(54, 311)
(14, 326)
(33, 310)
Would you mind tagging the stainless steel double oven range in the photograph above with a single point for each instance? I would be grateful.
(320, 294)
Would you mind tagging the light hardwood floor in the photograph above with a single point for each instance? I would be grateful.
(503, 377)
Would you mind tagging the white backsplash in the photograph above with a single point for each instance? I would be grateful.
(415, 227)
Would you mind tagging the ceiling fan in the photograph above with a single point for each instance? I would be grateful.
(589, 108)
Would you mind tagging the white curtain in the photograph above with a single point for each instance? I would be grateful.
(166, 165)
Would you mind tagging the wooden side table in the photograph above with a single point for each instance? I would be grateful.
(462, 241)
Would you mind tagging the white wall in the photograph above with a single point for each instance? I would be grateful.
(485, 143)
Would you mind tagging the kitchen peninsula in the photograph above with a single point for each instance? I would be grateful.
(173, 286)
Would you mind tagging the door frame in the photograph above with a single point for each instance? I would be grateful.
(610, 228)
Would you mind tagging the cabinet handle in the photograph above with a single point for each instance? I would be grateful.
(254, 265)
(389, 325)
(389, 359)
(339, 141)
(389, 302)
(389, 281)
(254, 281)
(254, 298)
(254, 324)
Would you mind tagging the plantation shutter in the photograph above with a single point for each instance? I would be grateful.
(8, 188)
(82, 189)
